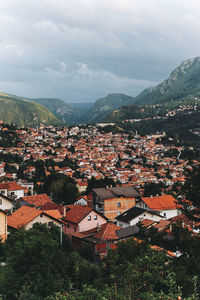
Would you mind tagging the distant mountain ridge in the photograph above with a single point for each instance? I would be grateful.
(182, 85)
(183, 82)
(103, 106)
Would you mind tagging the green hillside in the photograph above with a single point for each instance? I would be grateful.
(104, 106)
(22, 112)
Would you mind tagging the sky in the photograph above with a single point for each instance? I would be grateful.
(81, 50)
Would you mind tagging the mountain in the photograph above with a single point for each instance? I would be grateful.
(61, 109)
(23, 112)
(182, 84)
(104, 106)
(68, 113)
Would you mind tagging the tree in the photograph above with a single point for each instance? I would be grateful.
(191, 191)
(62, 188)
(98, 183)
(152, 189)
(35, 263)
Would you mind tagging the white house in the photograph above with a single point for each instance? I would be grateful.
(166, 205)
(136, 214)
(12, 190)
(6, 203)
(26, 216)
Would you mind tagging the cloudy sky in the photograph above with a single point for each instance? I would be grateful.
(80, 50)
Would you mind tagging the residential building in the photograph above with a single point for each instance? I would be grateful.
(166, 205)
(114, 201)
(3, 225)
(27, 216)
(137, 214)
(81, 218)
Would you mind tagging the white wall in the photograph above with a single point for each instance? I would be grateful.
(145, 215)
(5, 204)
(170, 213)
(17, 193)
(43, 220)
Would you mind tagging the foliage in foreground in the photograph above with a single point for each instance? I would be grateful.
(38, 267)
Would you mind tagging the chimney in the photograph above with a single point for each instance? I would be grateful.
(64, 211)
(98, 227)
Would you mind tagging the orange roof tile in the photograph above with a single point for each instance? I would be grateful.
(163, 202)
(11, 186)
(23, 216)
(76, 213)
(54, 213)
(37, 200)
(107, 232)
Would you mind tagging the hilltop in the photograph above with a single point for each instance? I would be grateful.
(183, 83)
(23, 112)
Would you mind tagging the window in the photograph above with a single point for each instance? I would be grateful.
(0, 201)
(12, 193)
(89, 218)
(41, 215)
(3, 192)
(50, 224)
(118, 204)
(95, 217)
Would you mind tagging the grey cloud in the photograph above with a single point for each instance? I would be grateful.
(83, 49)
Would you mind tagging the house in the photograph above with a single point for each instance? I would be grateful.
(81, 218)
(82, 200)
(136, 214)
(12, 190)
(98, 239)
(3, 225)
(27, 216)
(114, 201)
(2, 166)
(36, 200)
(102, 238)
(6, 203)
(166, 205)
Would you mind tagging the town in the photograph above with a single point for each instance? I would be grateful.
(98, 188)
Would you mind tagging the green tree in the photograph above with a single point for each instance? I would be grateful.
(62, 188)
(35, 263)
(152, 189)
(98, 183)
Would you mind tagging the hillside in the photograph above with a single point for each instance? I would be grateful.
(104, 106)
(22, 112)
(183, 83)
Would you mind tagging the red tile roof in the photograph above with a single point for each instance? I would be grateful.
(11, 186)
(52, 206)
(147, 222)
(163, 202)
(54, 213)
(77, 213)
(162, 224)
(23, 216)
(107, 232)
(37, 200)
